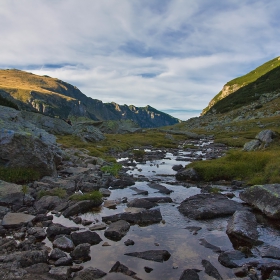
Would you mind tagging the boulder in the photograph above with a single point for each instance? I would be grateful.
(117, 230)
(29, 258)
(81, 207)
(15, 220)
(38, 232)
(208, 206)
(64, 243)
(151, 255)
(231, 259)
(268, 251)
(60, 273)
(10, 194)
(177, 167)
(47, 203)
(85, 237)
(266, 198)
(141, 203)
(160, 188)
(252, 145)
(188, 174)
(56, 254)
(64, 261)
(266, 136)
(58, 229)
(242, 227)
(150, 216)
(25, 145)
(81, 252)
(91, 273)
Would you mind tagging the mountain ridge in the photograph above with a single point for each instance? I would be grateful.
(56, 98)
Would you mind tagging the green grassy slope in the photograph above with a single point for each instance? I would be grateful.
(237, 84)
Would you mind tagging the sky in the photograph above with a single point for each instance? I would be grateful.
(174, 55)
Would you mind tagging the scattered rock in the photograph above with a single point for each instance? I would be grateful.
(251, 146)
(242, 227)
(98, 227)
(58, 229)
(60, 273)
(266, 198)
(90, 273)
(148, 269)
(117, 230)
(188, 174)
(81, 207)
(151, 255)
(160, 188)
(85, 237)
(211, 270)
(110, 204)
(64, 244)
(189, 274)
(138, 191)
(268, 251)
(47, 203)
(230, 258)
(15, 220)
(208, 206)
(81, 252)
(177, 167)
(105, 192)
(38, 232)
(129, 242)
(64, 261)
(32, 257)
(56, 254)
(141, 203)
(118, 267)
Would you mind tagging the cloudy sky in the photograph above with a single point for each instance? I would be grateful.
(174, 55)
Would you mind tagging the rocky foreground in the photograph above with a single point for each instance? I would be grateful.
(44, 236)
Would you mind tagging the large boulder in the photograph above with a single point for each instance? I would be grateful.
(242, 227)
(188, 174)
(208, 206)
(24, 145)
(266, 198)
(81, 207)
(263, 139)
(117, 230)
(85, 237)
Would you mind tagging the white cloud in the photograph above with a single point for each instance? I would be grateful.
(168, 54)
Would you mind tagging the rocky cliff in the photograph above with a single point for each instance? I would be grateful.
(56, 98)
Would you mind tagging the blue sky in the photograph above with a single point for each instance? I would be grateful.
(173, 55)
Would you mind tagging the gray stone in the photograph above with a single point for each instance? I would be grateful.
(141, 203)
(251, 146)
(189, 274)
(150, 216)
(266, 198)
(64, 243)
(60, 273)
(38, 232)
(57, 254)
(58, 229)
(151, 255)
(32, 257)
(119, 267)
(90, 273)
(211, 270)
(47, 203)
(242, 227)
(105, 192)
(268, 251)
(81, 207)
(160, 188)
(231, 258)
(85, 237)
(98, 227)
(188, 174)
(64, 261)
(266, 136)
(14, 220)
(139, 192)
(208, 206)
(117, 230)
(81, 252)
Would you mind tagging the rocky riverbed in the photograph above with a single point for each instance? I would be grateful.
(150, 225)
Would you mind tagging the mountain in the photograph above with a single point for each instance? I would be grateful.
(246, 89)
(56, 98)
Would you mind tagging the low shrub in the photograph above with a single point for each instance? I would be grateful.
(18, 175)
(112, 169)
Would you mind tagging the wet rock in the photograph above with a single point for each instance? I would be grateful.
(57, 254)
(15, 220)
(105, 192)
(177, 167)
(81, 252)
(129, 242)
(189, 274)
(122, 183)
(141, 203)
(211, 270)
(32, 257)
(90, 273)
(268, 251)
(77, 220)
(240, 271)
(85, 237)
(86, 222)
(118, 267)
(194, 230)
(230, 258)
(88, 187)
(188, 174)
(47, 203)
(160, 199)
(160, 188)
(151, 255)
(98, 227)
(110, 204)
(266, 198)
(81, 207)
(60, 273)
(42, 218)
(64, 244)
(150, 216)
(139, 192)
(38, 232)
(268, 268)
(148, 269)
(242, 227)
(64, 261)
(117, 230)
(208, 206)
(58, 229)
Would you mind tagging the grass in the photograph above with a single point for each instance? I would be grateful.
(112, 169)
(95, 195)
(53, 192)
(19, 175)
(257, 167)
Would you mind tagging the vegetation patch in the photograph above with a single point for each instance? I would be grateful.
(95, 196)
(53, 192)
(18, 175)
(112, 169)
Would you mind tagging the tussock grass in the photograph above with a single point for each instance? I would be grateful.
(19, 175)
(95, 195)
(112, 169)
(53, 192)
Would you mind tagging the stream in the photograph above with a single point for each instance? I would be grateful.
(186, 240)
